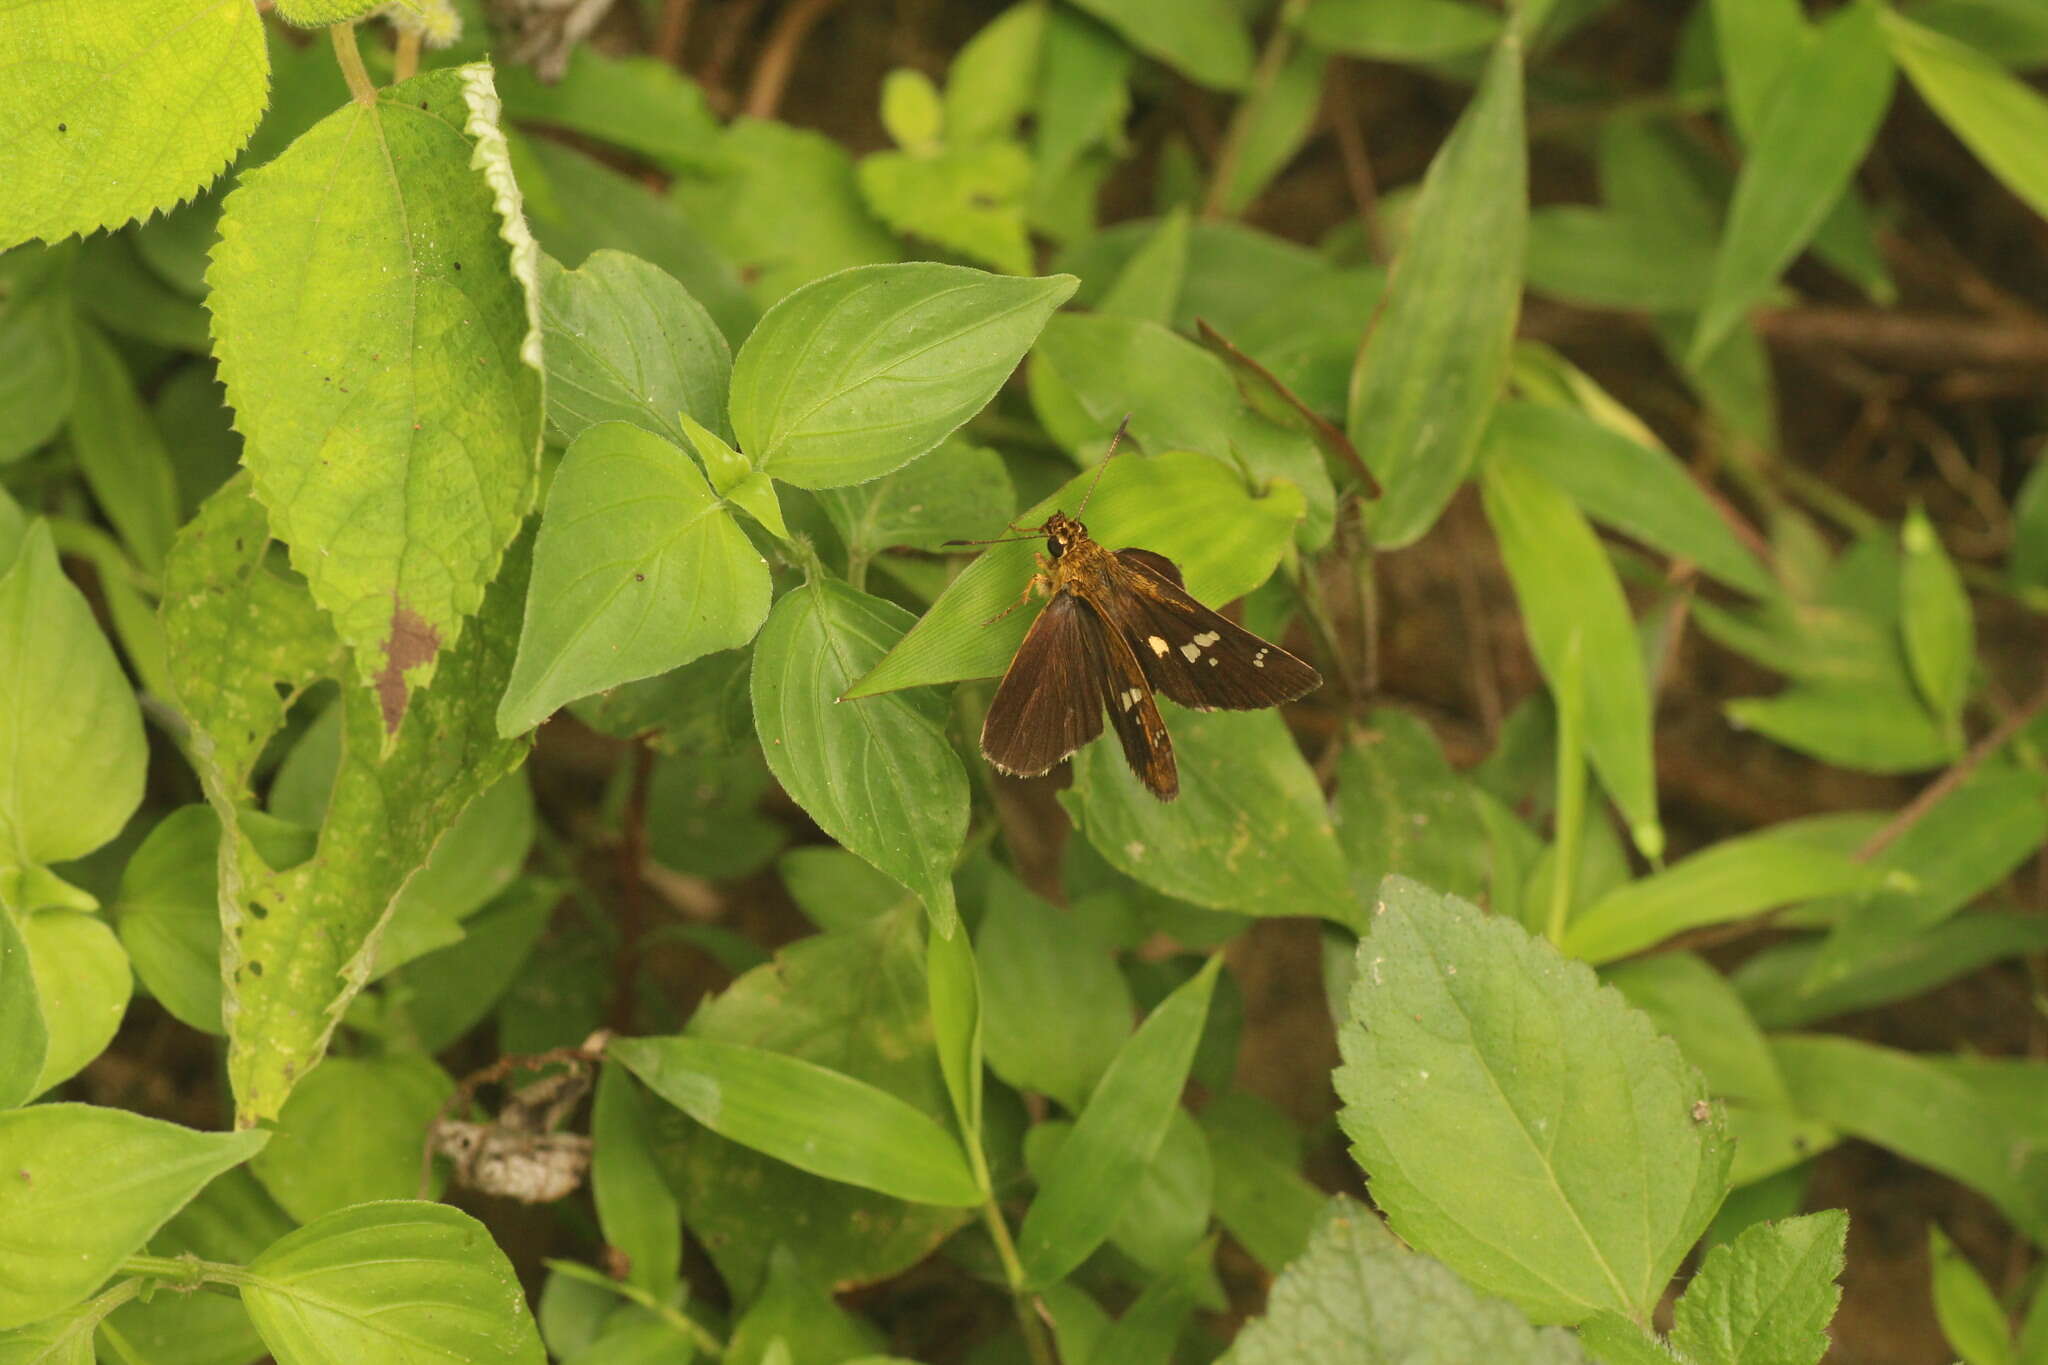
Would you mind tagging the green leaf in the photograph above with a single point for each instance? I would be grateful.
(1250, 833)
(1058, 1010)
(795, 1318)
(1400, 30)
(1401, 808)
(1731, 880)
(1613, 1339)
(835, 889)
(640, 103)
(1774, 983)
(626, 342)
(231, 1220)
(82, 986)
(1957, 1115)
(953, 985)
(1095, 1173)
(24, 1038)
(1756, 41)
(1278, 125)
(1261, 1195)
(1970, 1315)
(1997, 116)
(1817, 122)
(38, 353)
(1878, 727)
(120, 453)
(168, 915)
(1431, 370)
(300, 942)
(638, 569)
(1473, 1048)
(1607, 259)
(1359, 1296)
(67, 1338)
(911, 113)
(67, 708)
(393, 1279)
(1935, 615)
(87, 1187)
(1185, 506)
(1567, 587)
(994, 75)
(636, 1210)
(818, 1120)
(862, 372)
(446, 993)
(878, 774)
(392, 397)
(1204, 40)
(1632, 487)
(957, 491)
(87, 143)
(968, 199)
(352, 1132)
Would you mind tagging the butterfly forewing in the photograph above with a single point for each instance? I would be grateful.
(1191, 653)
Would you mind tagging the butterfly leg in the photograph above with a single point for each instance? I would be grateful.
(1041, 582)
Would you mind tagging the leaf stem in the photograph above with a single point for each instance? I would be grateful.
(1279, 46)
(1028, 1322)
(345, 51)
(406, 64)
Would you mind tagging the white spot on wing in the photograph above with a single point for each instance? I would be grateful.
(1207, 638)
(1159, 646)
(1193, 652)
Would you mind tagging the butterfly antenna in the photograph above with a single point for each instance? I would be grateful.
(1108, 455)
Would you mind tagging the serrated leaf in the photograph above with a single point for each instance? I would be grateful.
(1766, 1297)
(638, 569)
(391, 396)
(1996, 115)
(1250, 832)
(1058, 1010)
(300, 942)
(625, 341)
(1472, 1047)
(1817, 122)
(1358, 1296)
(1094, 1174)
(816, 1119)
(1568, 590)
(399, 1278)
(862, 372)
(1430, 372)
(1187, 507)
(87, 1187)
(66, 708)
(84, 138)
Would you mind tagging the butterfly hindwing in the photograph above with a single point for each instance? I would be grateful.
(1192, 654)
(1049, 703)
(1134, 712)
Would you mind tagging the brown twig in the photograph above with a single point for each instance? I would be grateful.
(778, 55)
(675, 26)
(1939, 789)
(1932, 342)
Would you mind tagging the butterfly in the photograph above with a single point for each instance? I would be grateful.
(1120, 630)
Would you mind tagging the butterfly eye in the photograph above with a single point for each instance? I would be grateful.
(1054, 545)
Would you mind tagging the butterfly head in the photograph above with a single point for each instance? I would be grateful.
(1061, 532)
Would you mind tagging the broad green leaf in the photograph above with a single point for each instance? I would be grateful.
(992, 79)
(168, 915)
(1250, 832)
(1278, 125)
(65, 1339)
(1432, 367)
(1400, 30)
(1187, 507)
(1082, 99)
(1766, 1297)
(1607, 259)
(86, 1188)
(1959, 1118)
(397, 1279)
(1204, 40)
(24, 1038)
(640, 103)
(1401, 808)
(1935, 616)
(1818, 121)
(625, 341)
(1167, 1216)
(877, 774)
(352, 1132)
(1774, 982)
(120, 453)
(816, 1119)
(1149, 283)
(391, 396)
(1731, 880)
(1756, 41)
(1095, 1173)
(1970, 1315)
(835, 889)
(1472, 1047)
(1233, 274)
(1567, 587)
(638, 569)
(578, 206)
(444, 994)
(1632, 487)
(856, 1001)
(38, 356)
(66, 708)
(636, 1210)
(958, 491)
(1359, 1296)
(1261, 1196)
(84, 138)
(1056, 1010)
(862, 372)
(785, 211)
(795, 1318)
(82, 986)
(968, 198)
(231, 1220)
(1997, 116)
(300, 942)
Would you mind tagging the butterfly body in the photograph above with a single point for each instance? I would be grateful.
(1120, 629)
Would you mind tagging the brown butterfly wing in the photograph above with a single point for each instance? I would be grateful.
(1048, 704)
(1192, 654)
